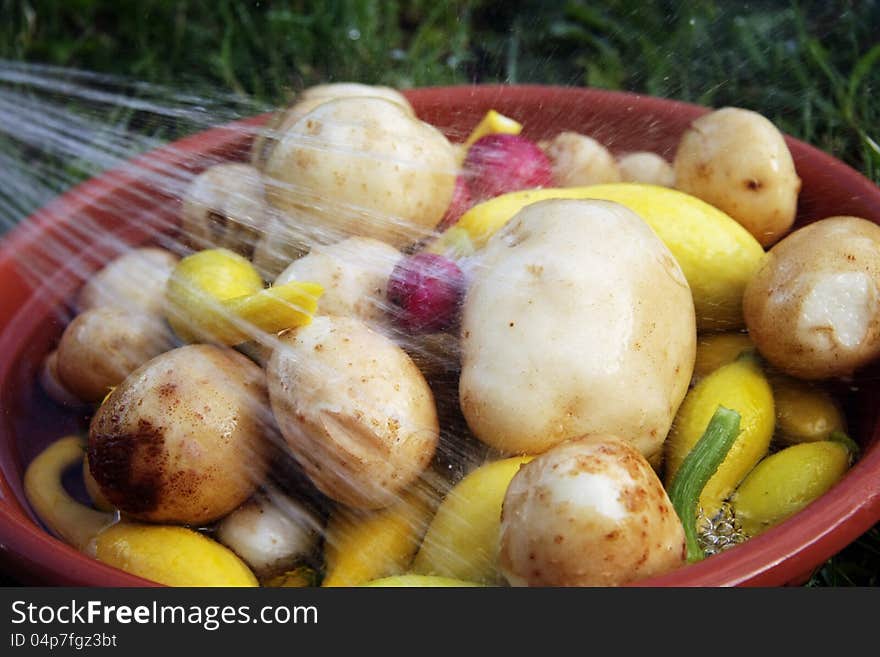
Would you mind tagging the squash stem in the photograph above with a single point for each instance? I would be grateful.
(697, 468)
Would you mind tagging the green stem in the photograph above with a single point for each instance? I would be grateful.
(697, 468)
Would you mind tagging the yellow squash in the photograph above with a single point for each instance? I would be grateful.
(715, 350)
(804, 411)
(175, 556)
(218, 295)
(717, 255)
(787, 481)
(360, 547)
(462, 540)
(740, 386)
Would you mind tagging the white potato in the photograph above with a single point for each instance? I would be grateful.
(738, 161)
(813, 307)
(225, 207)
(647, 168)
(363, 166)
(135, 280)
(579, 160)
(270, 533)
(589, 512)
(354, 273)
(308, 100)
(102, 346)
(578, 321)
(354, 409)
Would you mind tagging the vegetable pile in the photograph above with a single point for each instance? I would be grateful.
(384, 358)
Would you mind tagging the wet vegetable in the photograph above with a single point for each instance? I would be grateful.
(787, 481)
(738, 161)
(364, 546)
(588, 512)
(426, 291)
(698, 467)
(576, 308)
(813, 307)
(740, 386)
(354, 409)
(184, 438)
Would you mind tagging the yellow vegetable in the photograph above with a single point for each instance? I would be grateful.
(804, 412)
(784, 483)
(218, 295)
(462, 539)
(493, 123)
(715, 350)
(175, 556)
(298, 578)
(75, 523)
(169, 555)
(363, 546)
(717, 255)
(740, 386)
(419, 581)
(275, 309)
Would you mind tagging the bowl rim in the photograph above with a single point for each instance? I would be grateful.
(773, 558)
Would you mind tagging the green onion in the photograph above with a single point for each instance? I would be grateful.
(697, 468)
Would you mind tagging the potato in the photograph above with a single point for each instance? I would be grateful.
(576, 310)
(589, 512)
(225, 207)
(102, 346)
(286, 237)
(354, 409)
(184, 438)
(354, 274)
(308, 100)
(579, 160)
(333, 90)
(813, 308)
(135, 280)
(647, 168)
(271, 534)
(52, 386)
(738, 161)
(363, 166)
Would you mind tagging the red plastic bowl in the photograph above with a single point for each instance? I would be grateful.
(98, 219)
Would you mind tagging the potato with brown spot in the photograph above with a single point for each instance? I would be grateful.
(589, 512)
(355, 410)
(184, 438)
(102, 346)
(813, 307)
(738, 161)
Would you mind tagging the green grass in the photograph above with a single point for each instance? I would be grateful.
(813, 67)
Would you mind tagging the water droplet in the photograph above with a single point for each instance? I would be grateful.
(354, 34)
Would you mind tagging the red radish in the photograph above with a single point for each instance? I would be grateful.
(426, 290)
(460, 203)
(501, 163)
